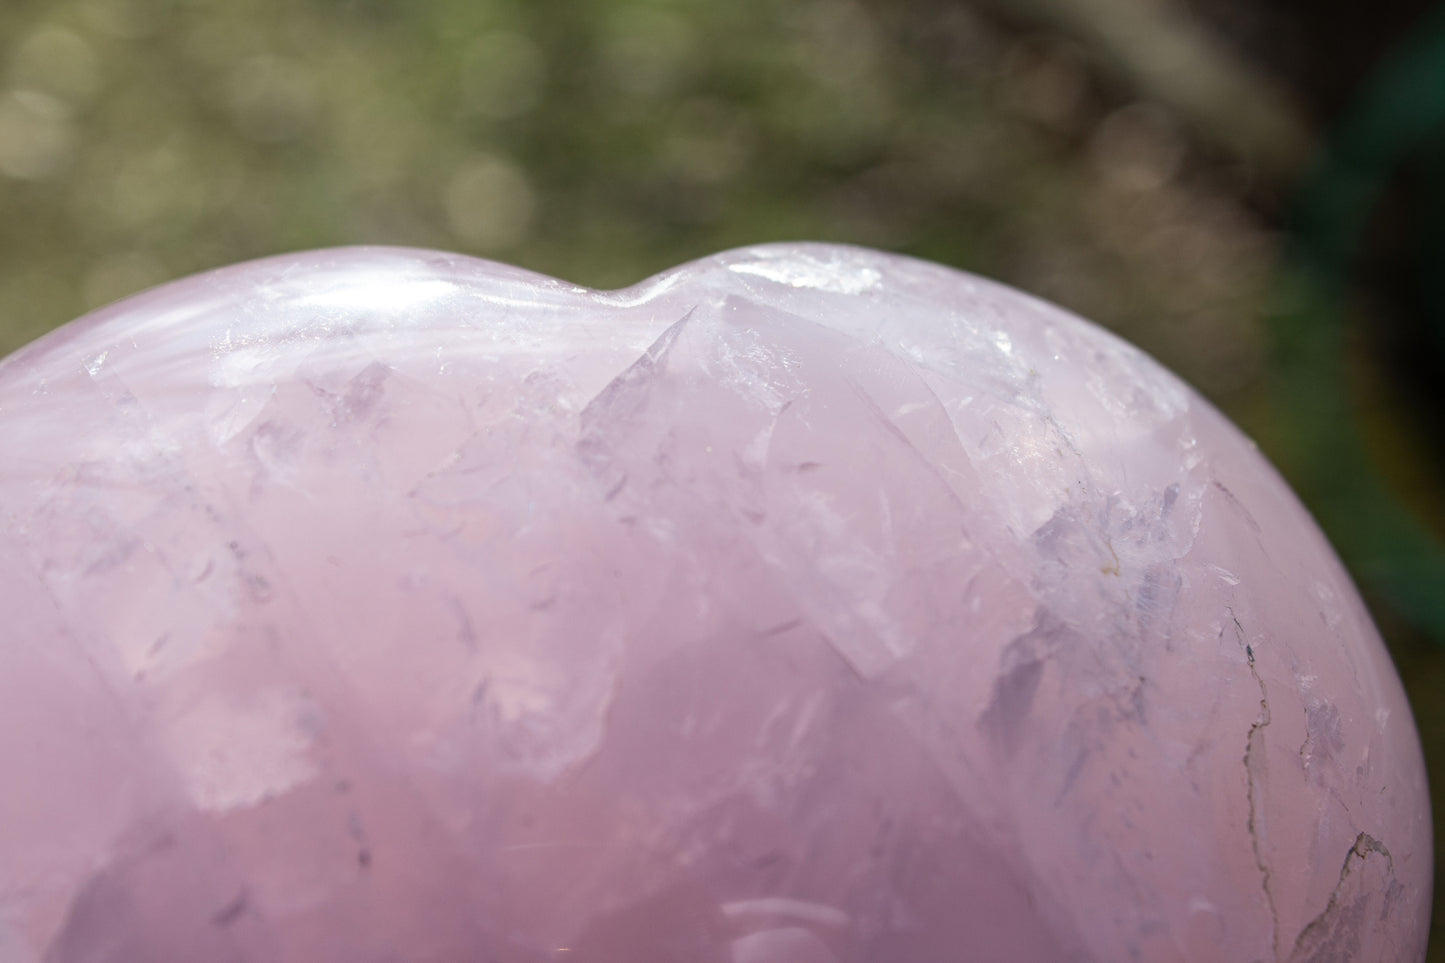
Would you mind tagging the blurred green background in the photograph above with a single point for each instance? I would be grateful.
(1249, 190)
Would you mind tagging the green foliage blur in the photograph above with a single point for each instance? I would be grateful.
(142, 140)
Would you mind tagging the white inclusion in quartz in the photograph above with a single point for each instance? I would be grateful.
(801, 911)
(234, 756)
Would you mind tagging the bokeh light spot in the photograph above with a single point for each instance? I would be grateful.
(490, 202)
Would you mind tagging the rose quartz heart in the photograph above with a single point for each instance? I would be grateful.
(803, 604)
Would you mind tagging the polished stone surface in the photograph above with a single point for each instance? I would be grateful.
(803, 604)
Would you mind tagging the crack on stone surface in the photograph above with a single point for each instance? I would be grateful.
(232, 910)
(1238, 506)
(1335, 933)
(1255, 769)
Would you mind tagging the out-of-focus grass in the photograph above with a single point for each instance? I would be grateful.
(141, 140)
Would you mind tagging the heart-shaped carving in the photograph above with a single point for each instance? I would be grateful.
(800, 603)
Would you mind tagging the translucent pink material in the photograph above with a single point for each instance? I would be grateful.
(803, 604)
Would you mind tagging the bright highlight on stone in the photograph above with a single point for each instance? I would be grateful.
(803, 604)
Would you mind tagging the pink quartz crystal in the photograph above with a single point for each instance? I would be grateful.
(803, 604)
